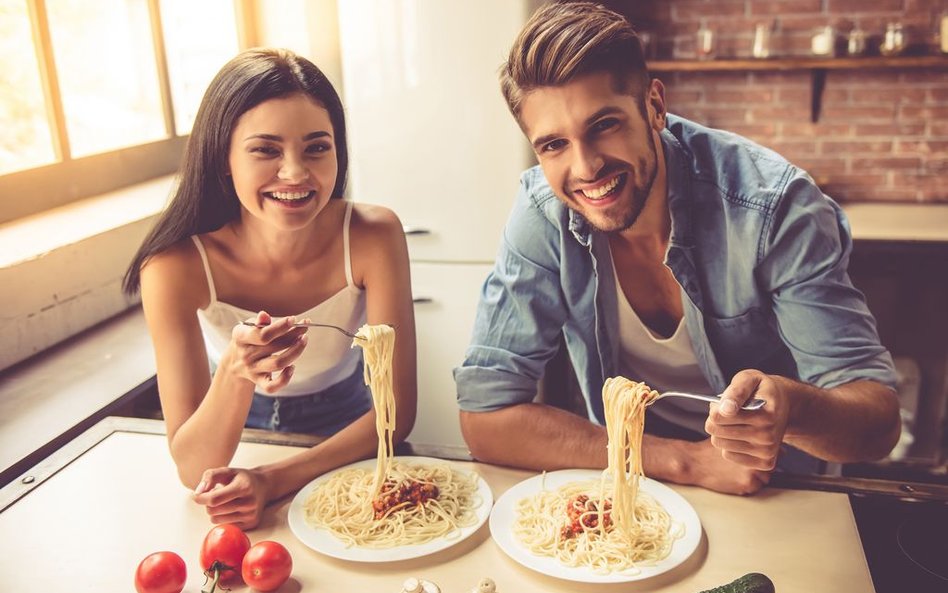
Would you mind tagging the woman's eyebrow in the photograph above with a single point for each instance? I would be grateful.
(275, 138)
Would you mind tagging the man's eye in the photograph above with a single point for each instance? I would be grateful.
(605, 124)
(553, 146)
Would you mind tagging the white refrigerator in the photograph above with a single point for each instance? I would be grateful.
(430, 137)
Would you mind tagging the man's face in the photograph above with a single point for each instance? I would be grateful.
(596, 148)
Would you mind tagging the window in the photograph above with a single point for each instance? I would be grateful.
(100, 94)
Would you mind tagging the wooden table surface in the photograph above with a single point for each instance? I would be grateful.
(83, 519)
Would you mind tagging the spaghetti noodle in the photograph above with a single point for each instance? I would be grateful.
(606, 525)
(399, 503)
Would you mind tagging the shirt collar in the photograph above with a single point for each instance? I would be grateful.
(679, 189)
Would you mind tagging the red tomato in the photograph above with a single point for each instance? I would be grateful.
(161, 572)
(266, 566)
(223, 551)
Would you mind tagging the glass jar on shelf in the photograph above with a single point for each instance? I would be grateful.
(704, 47)
(761, 47)
(943, 31)
(856, 42)
(823, 42)
(894, 42)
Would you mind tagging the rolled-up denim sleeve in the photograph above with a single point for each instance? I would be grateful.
(822, 318)
(519, 316)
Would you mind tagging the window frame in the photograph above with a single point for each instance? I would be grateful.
(31, 191)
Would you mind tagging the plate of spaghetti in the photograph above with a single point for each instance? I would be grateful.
(388, 508)
(594, 526)
(426, 506)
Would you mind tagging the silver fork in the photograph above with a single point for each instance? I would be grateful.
(754, 404)
(311, 324)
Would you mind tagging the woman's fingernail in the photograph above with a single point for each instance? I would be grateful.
(200, 487)
(728, 407)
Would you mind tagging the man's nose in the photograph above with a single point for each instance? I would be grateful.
(587, 162)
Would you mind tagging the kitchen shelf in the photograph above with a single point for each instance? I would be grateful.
(818, 68)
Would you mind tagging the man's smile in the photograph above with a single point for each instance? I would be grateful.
(605, 189)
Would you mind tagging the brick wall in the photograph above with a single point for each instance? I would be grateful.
(882, 134)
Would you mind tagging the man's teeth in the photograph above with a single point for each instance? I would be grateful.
(601, 192)
(290, 195)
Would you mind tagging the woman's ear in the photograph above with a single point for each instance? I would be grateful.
(655, 104)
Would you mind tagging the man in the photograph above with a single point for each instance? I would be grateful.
(669, 253)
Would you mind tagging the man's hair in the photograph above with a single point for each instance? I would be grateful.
(564, 40)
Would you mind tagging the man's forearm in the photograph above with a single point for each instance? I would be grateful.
(858, 421)
(535, 436)
(541, 437)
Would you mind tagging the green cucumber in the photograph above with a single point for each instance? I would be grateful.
(749, 583)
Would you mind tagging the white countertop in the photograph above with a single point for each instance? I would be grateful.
(898, 222)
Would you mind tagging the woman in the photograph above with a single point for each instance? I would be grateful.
(257, 231)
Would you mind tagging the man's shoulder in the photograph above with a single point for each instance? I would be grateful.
(535, 188)
(742, 170)
(536, 195)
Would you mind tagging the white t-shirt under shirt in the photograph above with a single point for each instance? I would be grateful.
(327, 359)
(664, 364)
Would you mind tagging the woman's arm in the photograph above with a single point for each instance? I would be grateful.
(204, 417)
(381, 267)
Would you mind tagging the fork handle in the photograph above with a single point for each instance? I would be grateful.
(753, 404)
(335, 327)
(311, 324)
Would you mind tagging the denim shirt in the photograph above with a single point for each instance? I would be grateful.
(760, 254)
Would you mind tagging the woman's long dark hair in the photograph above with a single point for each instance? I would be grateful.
(204, 199)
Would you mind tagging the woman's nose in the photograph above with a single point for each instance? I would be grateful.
(293, 170)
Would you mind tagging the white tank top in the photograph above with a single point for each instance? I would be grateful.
(327, 359)
(665, 364)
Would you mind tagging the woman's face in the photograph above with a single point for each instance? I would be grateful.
(283, 161)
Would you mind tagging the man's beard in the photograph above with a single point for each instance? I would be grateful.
(648, 165)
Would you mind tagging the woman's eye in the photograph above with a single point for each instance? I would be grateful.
(264, 150)
(318, 148)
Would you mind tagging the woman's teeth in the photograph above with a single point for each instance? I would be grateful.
(602, 191)
(290, 196)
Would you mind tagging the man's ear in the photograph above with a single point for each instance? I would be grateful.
(655, 104)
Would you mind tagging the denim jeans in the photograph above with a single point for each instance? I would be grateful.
(323, 413)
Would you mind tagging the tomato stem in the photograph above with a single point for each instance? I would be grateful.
(217, 568)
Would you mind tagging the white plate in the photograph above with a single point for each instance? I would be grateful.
(504, 514)
(323, 541)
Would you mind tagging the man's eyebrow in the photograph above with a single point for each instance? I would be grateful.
(543, 140)
(275, 138)
(607, 110)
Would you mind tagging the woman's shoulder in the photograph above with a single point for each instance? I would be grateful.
(377, 240)
(178, 270)
(374, 222)
(374, 215)
(174, 258)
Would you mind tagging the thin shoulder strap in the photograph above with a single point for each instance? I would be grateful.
(345, 243)
(207, 267)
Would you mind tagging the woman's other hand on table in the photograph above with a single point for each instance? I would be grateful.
(233, 495)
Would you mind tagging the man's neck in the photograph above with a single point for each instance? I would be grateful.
(651, 231)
